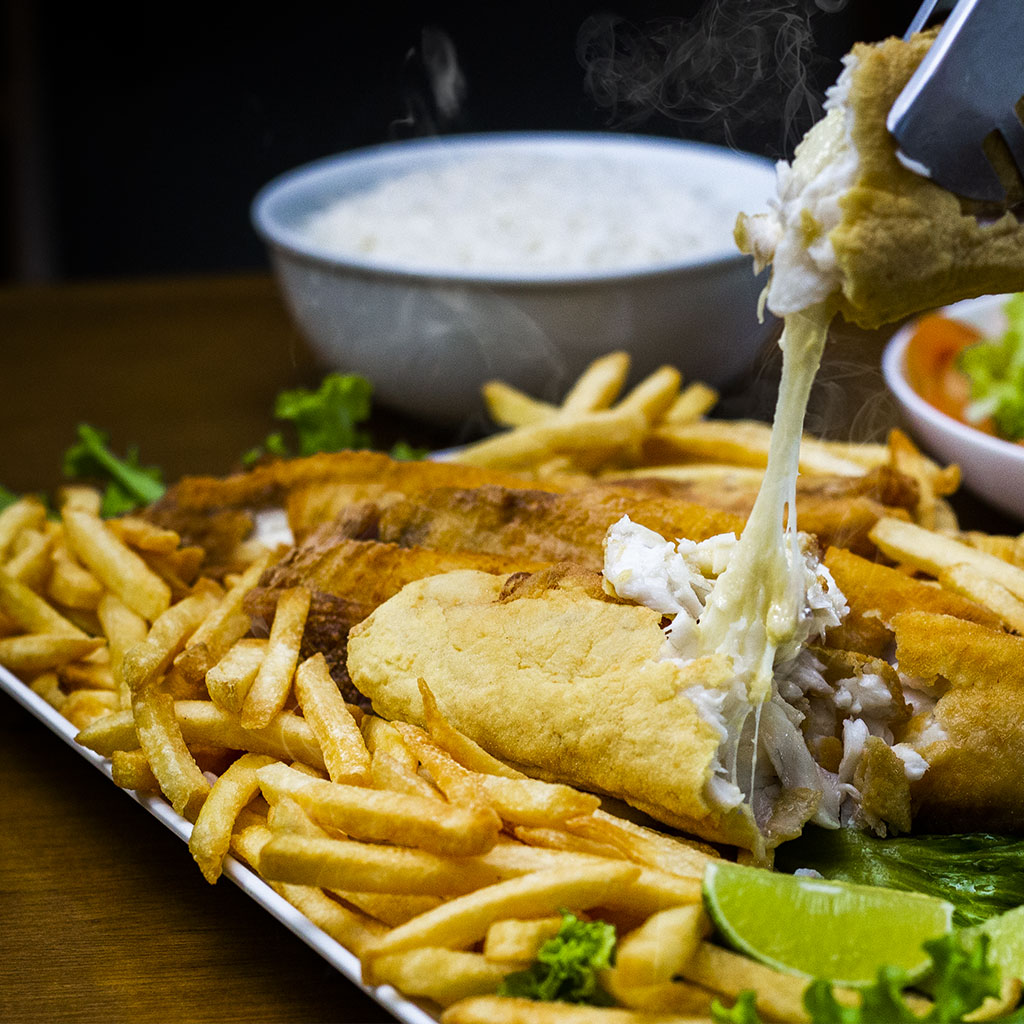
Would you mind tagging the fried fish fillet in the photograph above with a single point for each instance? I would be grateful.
(317, 500)
(348, 579)
(538, 525)
(877, 593)
(972, 738)
(554, 676)
(839, 510)
(314, 489)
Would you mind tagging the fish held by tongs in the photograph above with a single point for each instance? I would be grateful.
(958, 119)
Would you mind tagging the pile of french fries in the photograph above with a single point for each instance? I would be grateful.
(661, 428)
(441, 868)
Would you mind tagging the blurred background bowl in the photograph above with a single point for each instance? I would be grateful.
(429, 337)
(992, 468)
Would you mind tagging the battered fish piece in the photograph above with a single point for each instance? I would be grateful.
(560, 682)
(972, 736)
(855, 227)
(878, 593)
(551, 673)
(839, 510)
(348, 578)
(537, 525)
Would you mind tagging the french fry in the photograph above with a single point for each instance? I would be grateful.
(370, 867)
(180, 778)
(72, 585)
(378, 815)
(598, 434)
(508, 1010)
(123, 628)
(510, 407)
(32, 612)
(654, 395)
(740, 442)
(352, 929)
(47, 686)
(387, 772)
(114, 733)
(932, 552)
(559, 839)
(270, 688)
(686, 858)
(115, 565)
(27, 513)
(30, 561)
(230, 679)
(382, 737)
(466, 751)
(463, 921)
(145, 536)
(655, 952)
(81, 497)
(970, 582)
(89, 675)
(129, 769)
(443, 975)
(340, 740)
(694, 402)
(933, 483)
(32, 653)
(83, 707)
(516, 940)
(995, 1007)
(389, 908)
(677, 997)
(780, 996)
(211, 833)
(598, 385)
(145, 661)
(520, 801)
(227, 623)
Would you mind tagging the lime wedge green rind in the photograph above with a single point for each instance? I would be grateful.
(840, 931)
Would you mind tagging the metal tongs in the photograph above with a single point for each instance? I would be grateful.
(967, 88)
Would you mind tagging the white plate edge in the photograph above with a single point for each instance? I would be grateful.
(250, 883)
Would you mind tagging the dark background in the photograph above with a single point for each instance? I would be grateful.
(135, 136)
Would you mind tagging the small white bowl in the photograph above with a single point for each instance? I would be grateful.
(992, 468)
(429, 338)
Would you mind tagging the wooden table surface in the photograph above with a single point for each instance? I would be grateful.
(103, 914)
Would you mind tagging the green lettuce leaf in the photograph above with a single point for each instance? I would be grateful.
(980, 874)
(568, 966)
(995, 369)
(329, 419)
(127, 484)
(960, 981)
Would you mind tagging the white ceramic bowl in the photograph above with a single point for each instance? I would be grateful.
(429, 338)
(993, 469)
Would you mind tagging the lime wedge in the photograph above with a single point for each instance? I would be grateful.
(1006, 932)
(839, 931)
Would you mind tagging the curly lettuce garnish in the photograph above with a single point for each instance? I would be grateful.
(326, 420)
(568, 966)
(961, 980)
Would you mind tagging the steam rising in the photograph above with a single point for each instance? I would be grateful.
(736, 66)
(434, 87)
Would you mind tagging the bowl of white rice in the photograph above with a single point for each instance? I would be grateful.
(434, 265)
